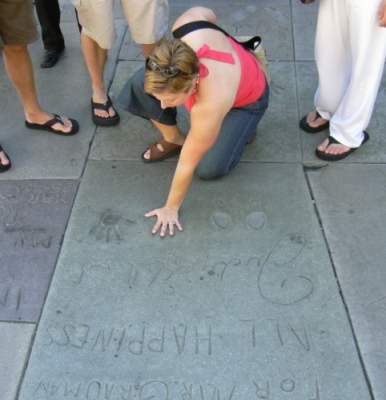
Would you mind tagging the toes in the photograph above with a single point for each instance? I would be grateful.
(323, 145)
(160, 147)
(311, 117)
(332, 148)
(146, 155)
(65, 126)
(3, 159)
(102, 114)
(314, 121)
(112, 112)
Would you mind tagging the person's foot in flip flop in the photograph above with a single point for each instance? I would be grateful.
(332, 150)
(313, 122)
(52, 123)
(103, 111)
(328, 147)
(5, 162)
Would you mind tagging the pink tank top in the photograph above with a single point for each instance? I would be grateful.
(251, 72)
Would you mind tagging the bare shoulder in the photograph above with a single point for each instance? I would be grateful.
(214, 100)
(195, 14)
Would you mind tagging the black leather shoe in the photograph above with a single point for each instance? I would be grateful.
(50, 58)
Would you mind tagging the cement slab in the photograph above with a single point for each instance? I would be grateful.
(38, 154)
(271, 19)
(277, 139)
(371, 152)
(304, 28)
(242, 305)
(277, 134)
(14, 345)
(129, 139)
(33, 217)
(130, 51)
(64, 89)
(351, 199)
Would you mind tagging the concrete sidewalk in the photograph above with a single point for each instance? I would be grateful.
(274, 291)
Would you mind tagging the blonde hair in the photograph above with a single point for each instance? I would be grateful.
(171, 67)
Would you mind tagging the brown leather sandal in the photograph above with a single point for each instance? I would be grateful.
(169, 150)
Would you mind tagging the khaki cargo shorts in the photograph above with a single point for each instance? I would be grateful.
(17, 22)
(147, 20)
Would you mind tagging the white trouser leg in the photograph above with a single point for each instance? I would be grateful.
(350, 53)
(367, 46)
(332, 60)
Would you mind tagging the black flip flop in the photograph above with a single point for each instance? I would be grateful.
(6, 167)
(48, 126)
(104, 121)
(336, 157)
(303, 124)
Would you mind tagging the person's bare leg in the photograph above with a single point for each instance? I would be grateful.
(147, 49)
(170, 133)
(95, 58)
(19, 69)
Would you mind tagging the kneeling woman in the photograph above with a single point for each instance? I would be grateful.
(223, 87)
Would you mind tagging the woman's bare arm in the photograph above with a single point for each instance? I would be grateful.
(206, 126)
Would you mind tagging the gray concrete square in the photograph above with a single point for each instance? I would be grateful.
(130, 50)
(64, 89)
(33, 217)
(304, 27)
(269, 19)
(244, 304)
(274, 142)
(277, 134)
(14, 344)
(131, 137)
(371, 152)
(350, 200)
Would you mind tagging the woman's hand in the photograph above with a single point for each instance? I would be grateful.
(167, 219)
(382, 14)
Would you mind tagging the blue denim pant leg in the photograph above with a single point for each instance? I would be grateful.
(238, 128)
(134, 99)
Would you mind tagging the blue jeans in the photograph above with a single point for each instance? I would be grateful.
(238, 128)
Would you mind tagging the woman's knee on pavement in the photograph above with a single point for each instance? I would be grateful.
(210, 171)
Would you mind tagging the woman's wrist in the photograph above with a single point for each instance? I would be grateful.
(172, 206)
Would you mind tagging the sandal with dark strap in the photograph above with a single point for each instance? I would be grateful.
(169, 150)
(336, 157)
(305, 126)
(104, 121)
(48, 126)
(5, 167)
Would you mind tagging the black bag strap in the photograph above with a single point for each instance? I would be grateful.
(250, 44)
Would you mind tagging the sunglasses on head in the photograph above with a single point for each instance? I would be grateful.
(168, 72)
